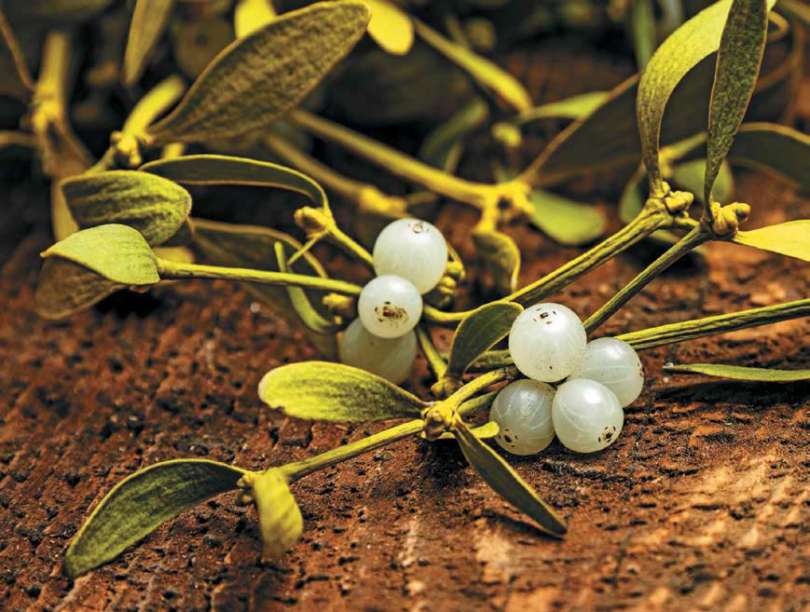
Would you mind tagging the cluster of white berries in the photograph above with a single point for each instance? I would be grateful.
(410, 257)
(548, 343)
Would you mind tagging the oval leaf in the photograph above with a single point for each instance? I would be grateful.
(694, 41)
(507, 482)
(259, 77)
(252, 15)
(319, 390)
(491, 76)
(280, 520)
(791, 238)
(64, 288)
(149, 20)
(154, 206)
(390, 27)
(142, 502)
(690, 176)
(500, 255)
(740, 372)
(116, 252)
(566, 221)
(738, 61)
(442, 147)
(777, 149)
(228, 170)
(478, 332)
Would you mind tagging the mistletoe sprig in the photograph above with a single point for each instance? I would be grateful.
(125, 222)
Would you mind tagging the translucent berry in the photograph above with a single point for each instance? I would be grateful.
(616, 365)
(587, 416)
(522, 410)
(389, 306)
(547, 341)
(412, 249)
(391, 358)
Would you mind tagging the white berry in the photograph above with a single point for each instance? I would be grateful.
(412, 249)
(389, 306)
(391, 358)
(616, 365)
(587, 416)
(522, 410)
(547, 342)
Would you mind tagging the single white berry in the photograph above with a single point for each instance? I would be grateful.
(389, 306)
(616, 365)
(547, 341)
(587, 416)
(412, 249)
(391, 358)
(522, 410)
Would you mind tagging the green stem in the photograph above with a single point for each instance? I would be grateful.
(156, 102)
(478, 384)
(673, 333)
(177, 270)
(475, 194)
(434, 359)
(690, 241)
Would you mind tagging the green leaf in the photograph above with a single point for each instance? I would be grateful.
(320, 390)
(740, 372)
(310, 317)
(227, 170)
(643, 28)
(694, 41)
(633, 196)
(280, 520)
(777, 149)
(390, 27)
(442, 148)
(500, 256)
(479, 332)
(16, 81)
(575, 107)
(154, 206)
(690, 176)
(507, 482)
(791, 238)
(251, 15)
(116, 252)
(257, 78)
(139, 504)
(149, 21)
(64, 288)
(739, 58)
(487, 74)
(566, 221)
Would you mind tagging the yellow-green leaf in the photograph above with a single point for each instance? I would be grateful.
(682, 51)
(478, 332)
(142, 502)
(791, 238)
(500, 256)
(690, 176)
(643, 29)
(566, 221)
(16, 81)
(154, 206)
(575, 107)
(738, 61)
(228, 170)
(487, 74)
(320, 390)
(149, 21)
(117, 252)
(740, 372)
(252, 15)
(507, 482)
(777, 149)
(64, 288)
(280, 520)
(257, 78)
(390, 26)
(307, 313)
(442, 147)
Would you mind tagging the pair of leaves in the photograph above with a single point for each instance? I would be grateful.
(740, 372)
(335, 392)
(250, 84)
(154, 206)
